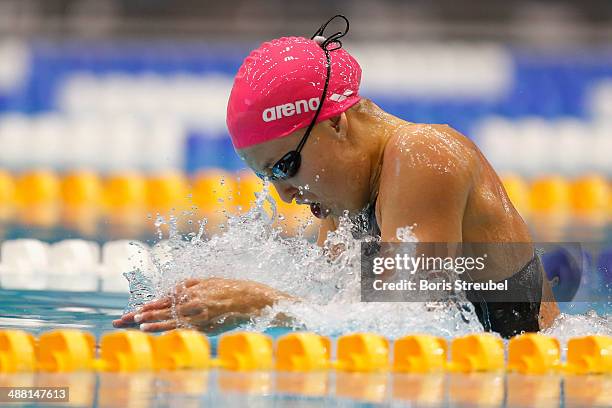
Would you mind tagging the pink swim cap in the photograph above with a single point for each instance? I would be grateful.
(278, 88)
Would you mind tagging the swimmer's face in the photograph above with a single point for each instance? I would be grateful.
(330, 173)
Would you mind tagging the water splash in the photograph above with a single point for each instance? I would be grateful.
(406, 234)
(327, 279)
(142, 289)
(567, 326)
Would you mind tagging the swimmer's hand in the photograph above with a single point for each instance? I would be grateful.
(205, 304)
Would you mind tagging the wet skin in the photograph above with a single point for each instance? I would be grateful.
(429, 176)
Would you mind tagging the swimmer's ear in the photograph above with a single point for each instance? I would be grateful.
(340, 125)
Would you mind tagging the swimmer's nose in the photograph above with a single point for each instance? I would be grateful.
(285, 191)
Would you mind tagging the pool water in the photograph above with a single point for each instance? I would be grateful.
(38, 311)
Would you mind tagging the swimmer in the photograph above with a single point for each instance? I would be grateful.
(296, 117)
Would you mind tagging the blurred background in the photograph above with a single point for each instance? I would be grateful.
(113, 111)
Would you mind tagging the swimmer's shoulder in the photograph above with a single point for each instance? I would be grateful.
(426, 179)
(435, 149)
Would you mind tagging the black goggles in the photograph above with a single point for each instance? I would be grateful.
(288, 165)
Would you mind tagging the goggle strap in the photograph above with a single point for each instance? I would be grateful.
(314, 120)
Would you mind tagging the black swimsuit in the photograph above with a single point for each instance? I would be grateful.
(512, 318)
(506, 318)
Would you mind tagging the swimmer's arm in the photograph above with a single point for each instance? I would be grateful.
(425, 187)
(203, 303)
(415, 193)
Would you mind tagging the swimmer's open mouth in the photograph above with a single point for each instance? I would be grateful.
(316, 208)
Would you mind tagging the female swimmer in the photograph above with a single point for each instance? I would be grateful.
(296, 118)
